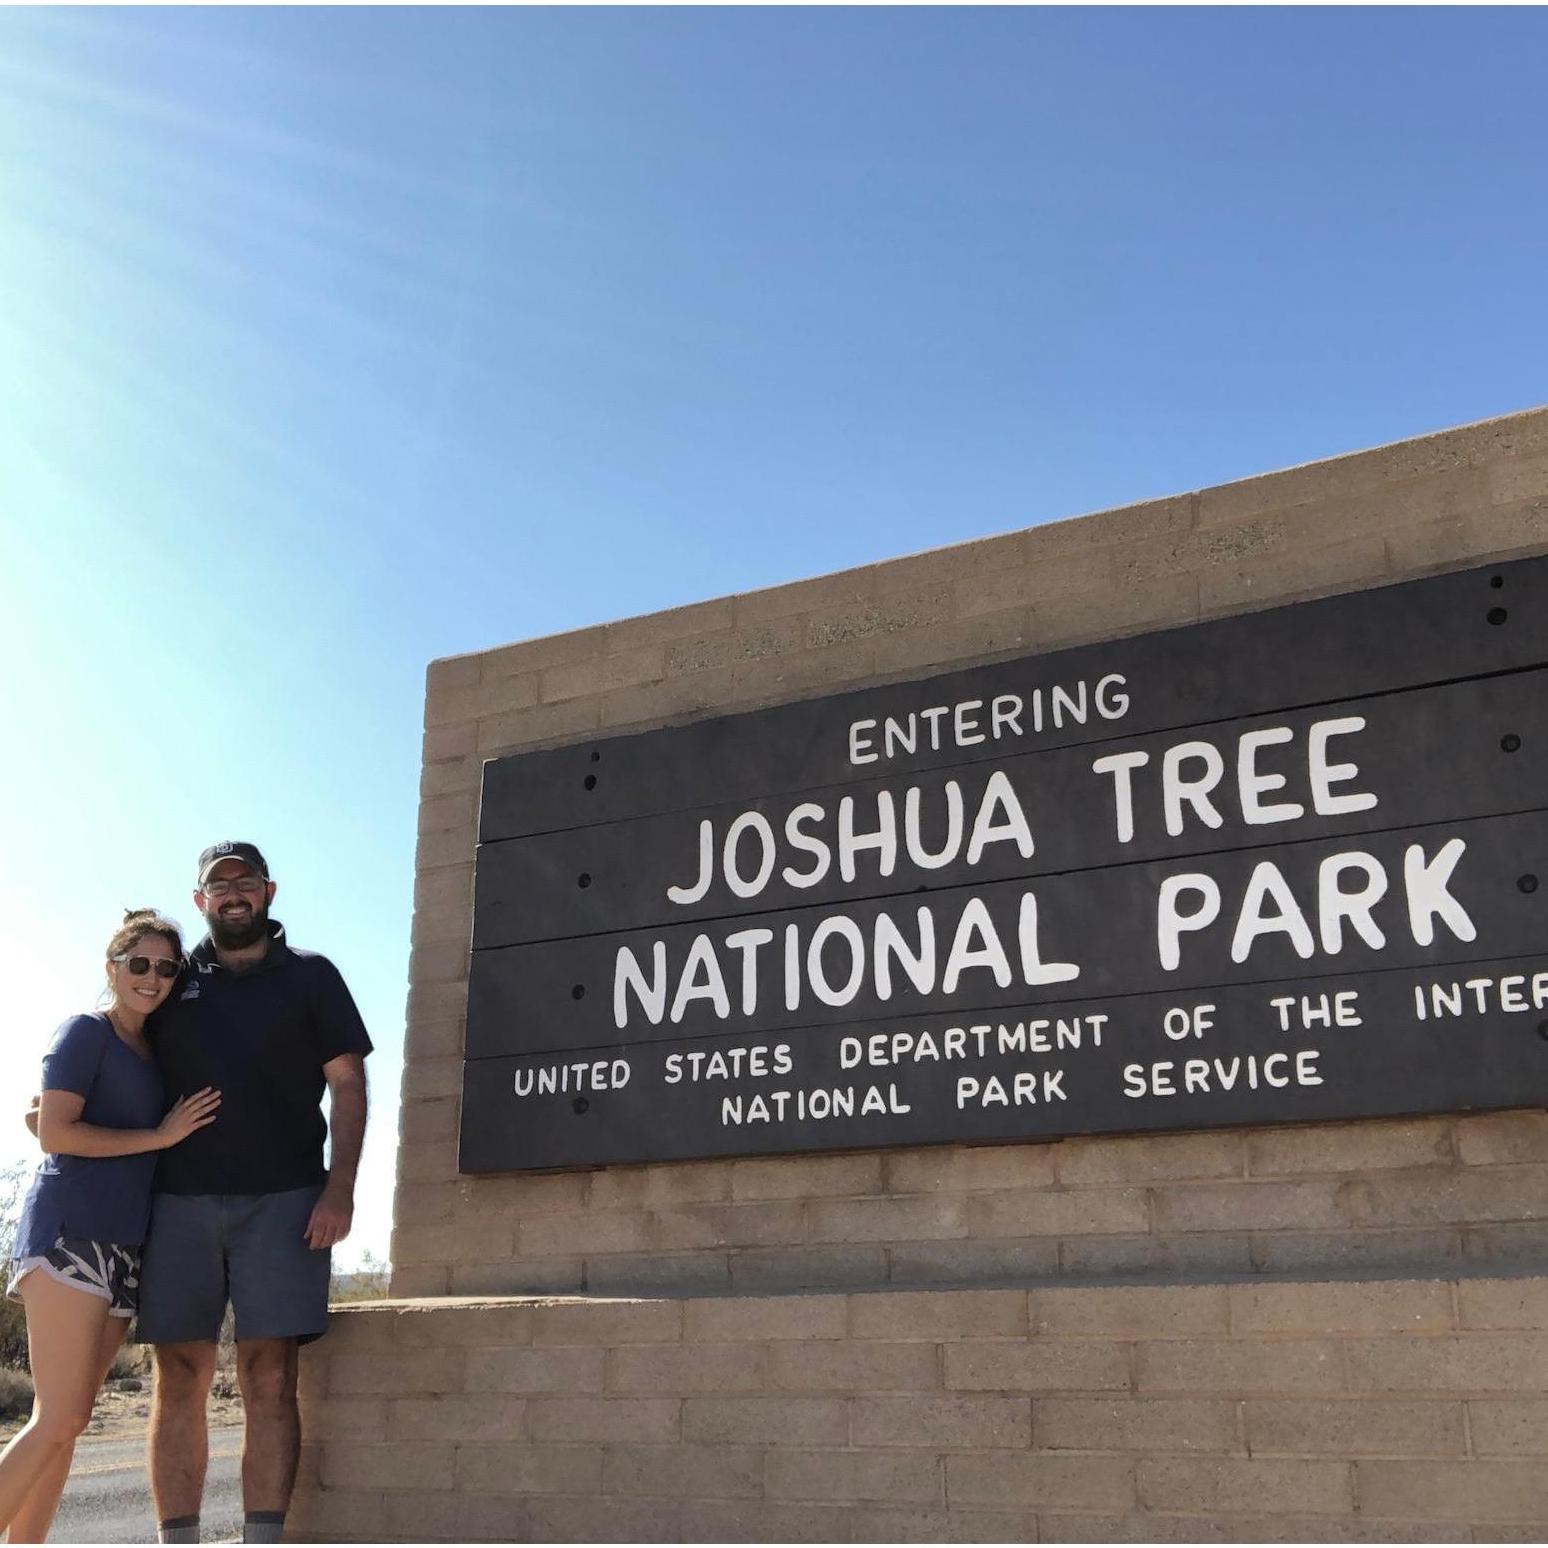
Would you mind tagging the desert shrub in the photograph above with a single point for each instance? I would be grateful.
(15, 1394)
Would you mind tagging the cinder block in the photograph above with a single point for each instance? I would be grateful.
(804, 673)
(1300, 573)
(881, 615)
(1239, 1484)
(493, 1518)
(842, 588)
(338, 1516)
(443, 847)
(458, 1327)
(1114, 611)
(765, 1317)
(1490, 1139)
(672, 623)
(424, 1079)
(877, 1524)
(454, 775)
(1465, 1195)
(1263, 1206)
(1316, 1253)
(963, 1262)
(439, 962)
(1170, 1256)
(422, 1516)
(1505, 1248)
(1159, 1527)
(479, 701)
(451, 672)
(939, 1315)
(1055, 1212)
(767, 1421)
(1396, 1306)
(712, 691)
(601, 673)
(453, 813)
(449, 744)
(606, 1323)
(348, 1418)
(1137, 1311)
(525, 1196)
(1051, 1482)
(430, 1039)
(969, 1168)
(669, 1273)
(535, 1370)
(521, 1469)
(1455, 1491)
(809, 1268)
(428, 1161)
(554, 1236)
(1354, 1427)
(1518, 478)
(710, 1472)
(408, 1370)
(1472, 1363)
(759, 1521)
(680, 1368)
(432, 1120)
(387, 1465)
(541, 725)
(928, 1217)
(1244, 1366)
(430, 1279)
(1509, 1427)
(726, 1225)
(1147, 1158)
(555, 1419)
(1134, 1424)
(560, 1520)
(1342, 1148)
(807, 1177)
(511, 1276)
(984, 636)
(954, 1422)
(436, 1002)
(642, 1187)
(457, 1417)
(846, 1476)
(454, 1241)
(842, 1366)
(1038, 1366)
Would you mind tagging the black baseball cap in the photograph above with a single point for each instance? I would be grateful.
(248, 854)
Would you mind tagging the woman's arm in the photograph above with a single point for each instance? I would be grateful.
(61, 1132)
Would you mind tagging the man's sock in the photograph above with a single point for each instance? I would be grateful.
(178, 1529)
(263, 1526)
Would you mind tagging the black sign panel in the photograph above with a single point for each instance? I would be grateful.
(1275, 868)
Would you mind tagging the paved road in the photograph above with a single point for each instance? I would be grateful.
(107, 1500)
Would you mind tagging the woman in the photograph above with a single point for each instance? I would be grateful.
(76, 1266)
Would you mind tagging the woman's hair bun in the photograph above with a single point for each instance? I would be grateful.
(138, 913)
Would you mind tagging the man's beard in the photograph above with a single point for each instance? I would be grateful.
(231, 935)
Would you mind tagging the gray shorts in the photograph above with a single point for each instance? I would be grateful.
(204, 1247)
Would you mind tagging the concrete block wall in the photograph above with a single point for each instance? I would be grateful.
(1390, 1196)
(1400, 1410)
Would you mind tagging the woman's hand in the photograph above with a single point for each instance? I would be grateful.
(190, 1113)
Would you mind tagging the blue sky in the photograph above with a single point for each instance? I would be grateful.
(332, 341)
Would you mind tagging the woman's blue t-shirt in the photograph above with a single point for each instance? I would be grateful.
(98, 1198)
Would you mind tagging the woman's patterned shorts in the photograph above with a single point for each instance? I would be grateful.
(99, 1268)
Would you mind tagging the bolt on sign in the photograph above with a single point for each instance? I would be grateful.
(1277, 867)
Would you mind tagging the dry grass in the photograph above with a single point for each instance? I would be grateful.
(15, 1395)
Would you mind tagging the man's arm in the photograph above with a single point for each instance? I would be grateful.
(335, 1207)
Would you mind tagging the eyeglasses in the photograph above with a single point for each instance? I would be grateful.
(248, 886)
(165, 966)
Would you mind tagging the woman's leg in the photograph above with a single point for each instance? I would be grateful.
(35, 1515)
(64, 1337)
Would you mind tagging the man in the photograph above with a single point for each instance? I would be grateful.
(245, 1209)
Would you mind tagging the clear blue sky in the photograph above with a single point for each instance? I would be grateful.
(332, 341)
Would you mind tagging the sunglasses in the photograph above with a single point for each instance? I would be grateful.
(165, 966)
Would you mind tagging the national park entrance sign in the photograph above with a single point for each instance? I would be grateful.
(1276, 867)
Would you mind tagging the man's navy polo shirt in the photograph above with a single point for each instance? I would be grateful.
(261, 1039)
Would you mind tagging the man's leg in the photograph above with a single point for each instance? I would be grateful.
(179, 1434)
(271, 1440)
